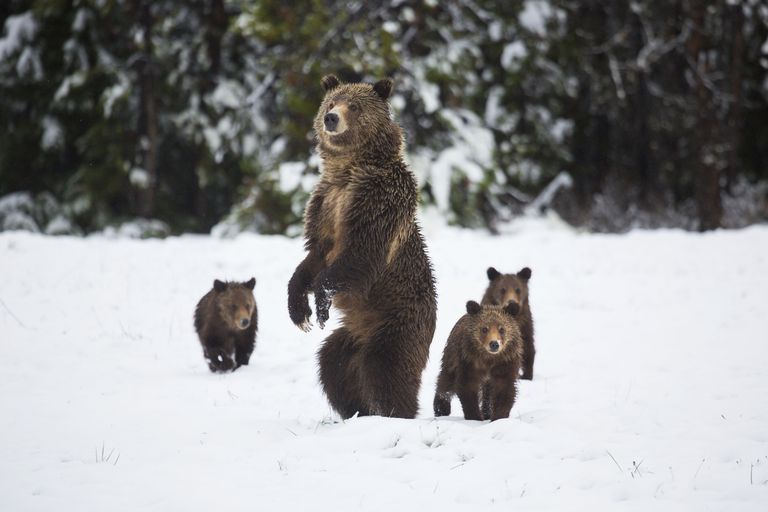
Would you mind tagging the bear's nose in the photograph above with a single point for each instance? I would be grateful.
(494, 346)
(331, 121)
(244, 323)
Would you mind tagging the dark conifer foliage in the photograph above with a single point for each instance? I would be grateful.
(198, 113)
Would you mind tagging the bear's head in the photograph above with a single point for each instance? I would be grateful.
(494, 329)
(236, 302)
(504, 288)
(355, 117)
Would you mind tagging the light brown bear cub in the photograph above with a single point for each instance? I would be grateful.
(480, 363)
(504, 288)
(226, 321)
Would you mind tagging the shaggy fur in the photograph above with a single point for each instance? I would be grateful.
(226, 321)
(366, 254)
(514, 287)
(472, 371)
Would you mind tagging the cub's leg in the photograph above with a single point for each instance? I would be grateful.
(444, 393)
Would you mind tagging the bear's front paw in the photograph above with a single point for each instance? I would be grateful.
(219, 362)
(298, 309)
(322, 305)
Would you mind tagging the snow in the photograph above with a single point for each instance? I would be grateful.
(514, 53)
(228, 94)
(290, 175)
(18, 29)
(469, 154)
(139, 177)
(649, 391)
(53, 135)
(535, 15)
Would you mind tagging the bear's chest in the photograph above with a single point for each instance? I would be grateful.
(336, 203)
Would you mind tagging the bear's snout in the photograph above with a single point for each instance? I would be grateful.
(494, 346)
(244, 322)
(331, 121)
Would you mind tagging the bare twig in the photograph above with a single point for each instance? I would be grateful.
(615, 461)
(12, 315)
(699, 469)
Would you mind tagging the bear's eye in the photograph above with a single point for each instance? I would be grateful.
(331, 105)
(503, 290)
(517, 291)
(353, 107)
(485, 330)
(501, 330)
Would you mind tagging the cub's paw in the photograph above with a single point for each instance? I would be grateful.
(219, 362)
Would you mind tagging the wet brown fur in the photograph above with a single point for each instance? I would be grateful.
(470, 371)
(218, 317)
(366, 254)
(514, 287)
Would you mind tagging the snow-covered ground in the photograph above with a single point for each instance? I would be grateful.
(651, 389)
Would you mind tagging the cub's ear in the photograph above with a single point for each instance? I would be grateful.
(492, 273)
(512, 308)
(383, 88)
(329, 82)
(219, 286)
(473, 307)
(524, 274)
(251, 283)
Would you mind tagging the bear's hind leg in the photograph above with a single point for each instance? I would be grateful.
(338, 377)
(529, 354)
(391, 380)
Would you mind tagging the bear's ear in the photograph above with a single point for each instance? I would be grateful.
(524, 274)
(251, 283)
(492, 273)
(329, 82)
(512, 308)
(473, 307)
(383, 88)
(219, 286)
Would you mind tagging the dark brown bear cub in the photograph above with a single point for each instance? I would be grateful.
(365, 253)
(504, 288)
(480, 363)
(226, 321)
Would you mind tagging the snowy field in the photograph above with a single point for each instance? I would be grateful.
(651, 389)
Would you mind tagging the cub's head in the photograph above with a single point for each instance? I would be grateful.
(354, 116)
(504, 288)
(494, 329)
(235, 302)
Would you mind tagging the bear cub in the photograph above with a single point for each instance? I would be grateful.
(480, 363)
(504, 288)
(226, 322)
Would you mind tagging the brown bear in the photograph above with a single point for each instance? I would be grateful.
(480, 363)
(514, 287)
(366, 255)
(226, 321)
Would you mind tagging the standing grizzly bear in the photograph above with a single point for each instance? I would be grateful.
(366, 254)
(514, 287)
(480, 363)
(226, 321)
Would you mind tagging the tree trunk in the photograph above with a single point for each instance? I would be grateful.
(735, 14)
(148, 128)
(706, 170)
